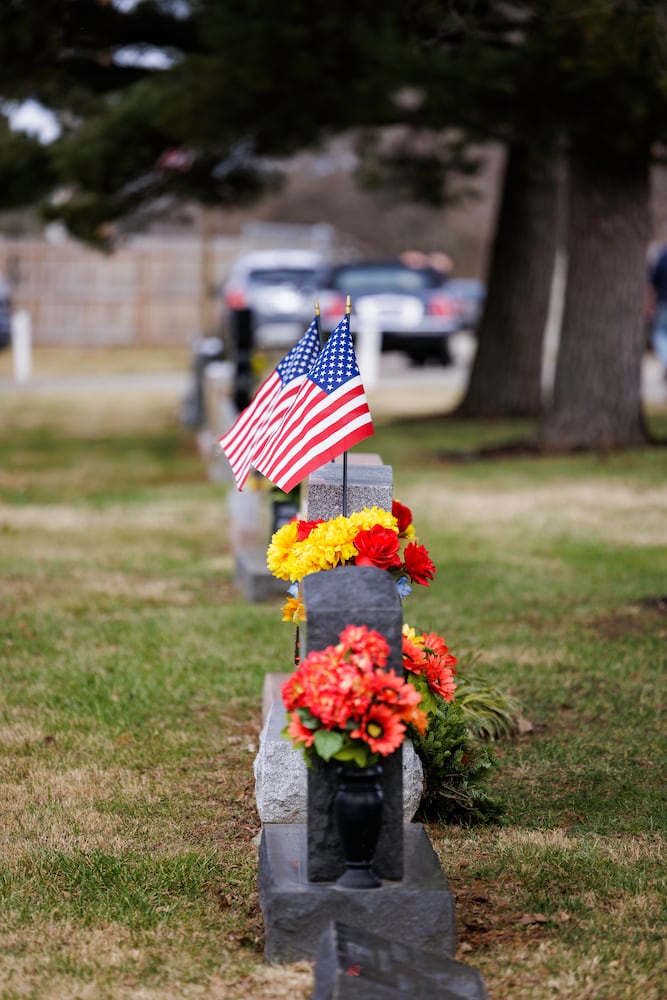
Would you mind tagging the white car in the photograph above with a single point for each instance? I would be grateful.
(277, 287)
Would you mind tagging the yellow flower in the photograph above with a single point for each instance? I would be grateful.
(366, 518)
(279, 553)
(294, 611)
(416, 638)
(328, 544)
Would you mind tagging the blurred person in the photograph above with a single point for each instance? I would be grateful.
(5, 314)
(414, 258)
(657, 302)
(441, 262)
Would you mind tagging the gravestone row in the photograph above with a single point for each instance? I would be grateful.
(306, 914)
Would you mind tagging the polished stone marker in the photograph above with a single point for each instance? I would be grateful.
(356, 964)
(353, 595)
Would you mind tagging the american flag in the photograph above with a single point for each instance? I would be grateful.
(262, 418)
(328, 415)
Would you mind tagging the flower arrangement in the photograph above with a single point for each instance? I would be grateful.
(344, 704)
(430, 667)
(369, 537)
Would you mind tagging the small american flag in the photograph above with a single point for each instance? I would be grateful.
(262, 418)
(328, 415)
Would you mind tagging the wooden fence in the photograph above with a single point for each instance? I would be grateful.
(154, 291)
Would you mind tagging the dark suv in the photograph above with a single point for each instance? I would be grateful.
(410, 306)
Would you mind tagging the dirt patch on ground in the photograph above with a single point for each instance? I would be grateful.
(648, 614)
(486, 918)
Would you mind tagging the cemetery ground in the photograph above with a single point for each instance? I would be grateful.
(130, 698)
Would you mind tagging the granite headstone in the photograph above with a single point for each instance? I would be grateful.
(353, 595)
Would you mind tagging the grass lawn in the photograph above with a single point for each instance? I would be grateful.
(131, 676)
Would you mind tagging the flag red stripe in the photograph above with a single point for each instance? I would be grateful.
(237, 443)
(275, 418)
(298, 471)
(313, 406)
(265, 413)
(321, 427)
(315, 439)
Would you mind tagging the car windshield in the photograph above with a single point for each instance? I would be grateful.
(383, 278)
(294, 276)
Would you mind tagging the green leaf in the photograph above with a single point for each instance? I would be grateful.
(358, 754)
(327, 743)
(307, 718)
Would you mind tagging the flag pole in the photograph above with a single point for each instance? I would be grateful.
(319, 324)
(348, 310)
(320, 334)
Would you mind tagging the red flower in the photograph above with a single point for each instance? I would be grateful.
(436, 645)
(344, 689)
(441, 679)
(418, 564)
(403, 515)
(304, 528)
(370, 649)
(377, 546)
(413, 656)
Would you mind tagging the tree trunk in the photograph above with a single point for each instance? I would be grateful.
(597, 391)
(506, 374)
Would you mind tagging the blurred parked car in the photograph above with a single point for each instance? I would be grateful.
(470, 294)
(278, 287)
(411, 306)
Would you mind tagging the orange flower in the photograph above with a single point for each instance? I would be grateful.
(382, 729)
(300, 734)
(345, 689)
(361, 639)
(294, 610)
(414, 657)
(416, 717)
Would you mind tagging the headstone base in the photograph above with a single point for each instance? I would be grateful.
(296, 912)
(355, 964)
(253, 578)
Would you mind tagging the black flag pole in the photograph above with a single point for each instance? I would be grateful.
(348, 310)
(319, 323)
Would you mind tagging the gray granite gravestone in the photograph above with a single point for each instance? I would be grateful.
(281, 776)
(355, 964)
(369, 484)
(353, 595)
(299, 863)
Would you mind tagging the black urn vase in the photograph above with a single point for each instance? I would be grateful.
(358, 815)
